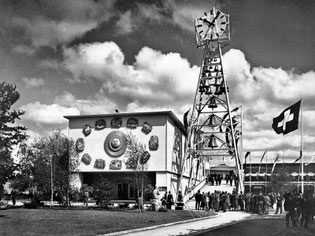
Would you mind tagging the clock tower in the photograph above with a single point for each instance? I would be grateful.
(214, 129)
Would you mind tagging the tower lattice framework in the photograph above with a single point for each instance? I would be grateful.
(214, 129)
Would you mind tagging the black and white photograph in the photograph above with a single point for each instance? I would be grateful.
(157, 117)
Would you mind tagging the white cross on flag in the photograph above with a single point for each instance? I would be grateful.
(288, 120)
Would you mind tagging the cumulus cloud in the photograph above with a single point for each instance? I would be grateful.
(155, 78)
(33, 82)
(95, 105)
(265, 93)
(51, 23)
(47, 115)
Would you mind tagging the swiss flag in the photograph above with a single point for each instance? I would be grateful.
(288, 120)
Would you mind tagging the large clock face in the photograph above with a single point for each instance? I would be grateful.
(211, 25)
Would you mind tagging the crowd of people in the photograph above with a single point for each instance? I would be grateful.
(216, 179)
(298, 207)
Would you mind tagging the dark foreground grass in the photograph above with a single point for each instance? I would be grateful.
(271, 226)
(81, 222)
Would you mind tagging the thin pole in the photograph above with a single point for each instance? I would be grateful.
(283, 159)
(242, 161)
(266, 173)
(51, 181)
(250, 173)
(302, 159)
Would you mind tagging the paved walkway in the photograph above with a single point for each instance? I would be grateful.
(194, 225)
(190, 226)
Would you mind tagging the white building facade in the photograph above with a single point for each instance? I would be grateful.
(102, 151)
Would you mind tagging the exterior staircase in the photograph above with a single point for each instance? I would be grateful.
(190, 204)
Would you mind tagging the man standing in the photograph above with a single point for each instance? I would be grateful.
(13, 195)
(279, 200)
(198, 200)
(170, 200)
(261, 200)
(288, 207)
(307, 209)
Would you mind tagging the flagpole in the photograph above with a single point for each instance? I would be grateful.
(242, 166)
(266, 173)
(250, 172)
(302, 159)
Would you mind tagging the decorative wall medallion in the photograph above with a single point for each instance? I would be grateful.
(86, 130)
(115, 165)
(100, 124)
(132, 123)
(116, 122)
(146, 128)
(86, 159)
(99, 164)
(115, 144)
(144, 157)
(79, 145)
(154, 143)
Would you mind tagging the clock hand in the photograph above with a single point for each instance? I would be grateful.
(210, 23)
(217, 15)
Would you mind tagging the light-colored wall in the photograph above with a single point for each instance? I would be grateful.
(166, 161)
(94, 143)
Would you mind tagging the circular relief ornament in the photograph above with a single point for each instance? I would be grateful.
(154, 143)
(79, 145)
(99, 164)
(115, 144)
(86, 159)
(100, 124)
(86, 130)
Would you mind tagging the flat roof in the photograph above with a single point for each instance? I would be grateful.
(178, 123)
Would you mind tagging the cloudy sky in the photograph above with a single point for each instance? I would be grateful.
(71, 57)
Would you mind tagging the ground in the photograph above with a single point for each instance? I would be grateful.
(47, 221)
(261, 226)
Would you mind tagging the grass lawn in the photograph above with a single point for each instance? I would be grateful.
(20, 221)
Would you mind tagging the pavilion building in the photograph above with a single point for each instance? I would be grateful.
(102, 151)
(258, 176)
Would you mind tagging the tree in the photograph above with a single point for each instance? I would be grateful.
(137, 160)
(103, 191)
(281, 182)
(10, 133)
(56, 151)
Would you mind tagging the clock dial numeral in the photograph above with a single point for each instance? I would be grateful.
(221, 29)
(199, 25)
(223, 23)
(221, 17)
(211, 12)
(205, 14)
(217, 34)
(200, 32)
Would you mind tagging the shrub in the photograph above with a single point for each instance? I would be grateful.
(103, 192)
(33, 204)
